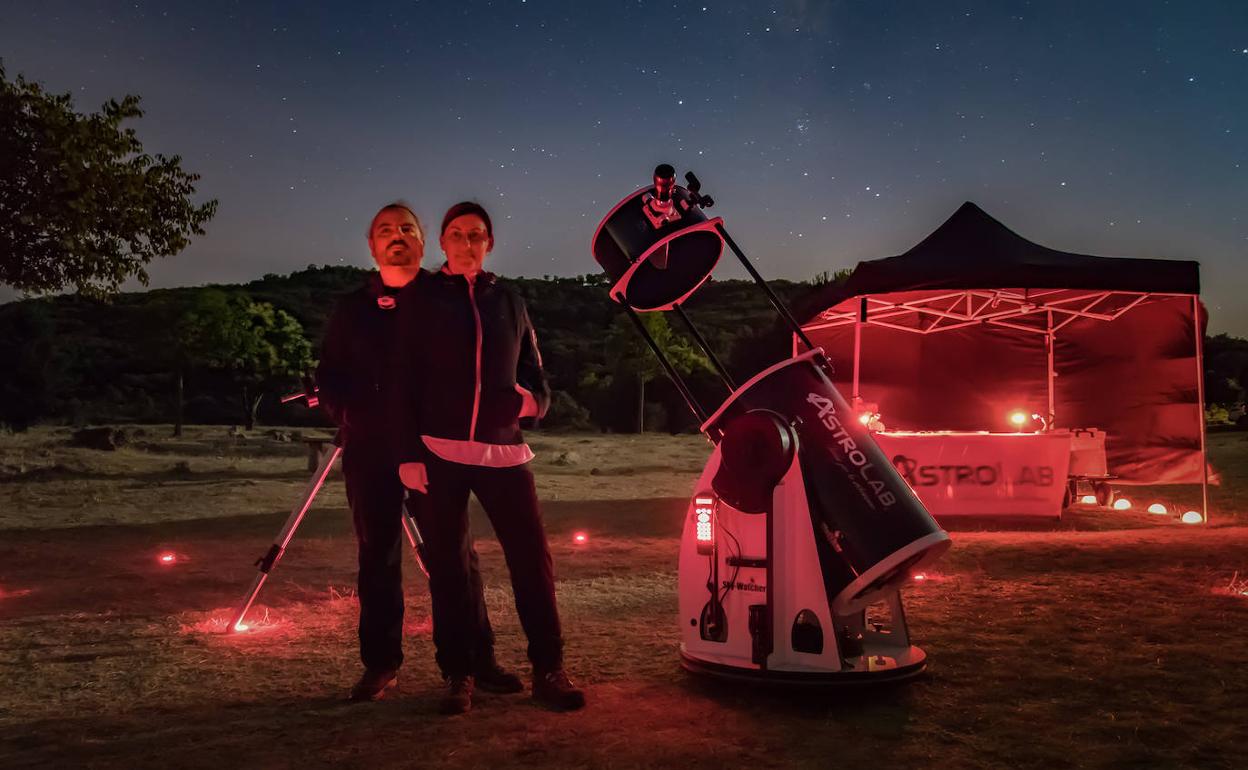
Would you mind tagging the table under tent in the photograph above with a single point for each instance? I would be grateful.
(1007, 377)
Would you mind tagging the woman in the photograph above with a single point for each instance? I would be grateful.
(470, 370)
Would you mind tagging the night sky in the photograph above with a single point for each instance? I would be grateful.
(828, 131)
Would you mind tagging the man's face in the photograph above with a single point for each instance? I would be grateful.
(466, 242)
(395, 239)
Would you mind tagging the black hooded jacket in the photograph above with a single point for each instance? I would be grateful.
(354, 375)
(462, 348)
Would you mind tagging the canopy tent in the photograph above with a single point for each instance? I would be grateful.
(977, 321)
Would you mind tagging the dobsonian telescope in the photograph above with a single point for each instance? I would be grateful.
(800, 532)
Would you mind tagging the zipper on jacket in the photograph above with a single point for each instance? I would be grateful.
(476, 395)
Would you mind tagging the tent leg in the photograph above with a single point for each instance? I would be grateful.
(862, 316)
(1048, 341)
(1199, 339)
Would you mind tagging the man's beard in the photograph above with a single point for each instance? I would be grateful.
(398, 258)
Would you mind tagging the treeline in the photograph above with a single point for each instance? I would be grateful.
(224, 354)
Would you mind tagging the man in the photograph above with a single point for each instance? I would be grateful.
(353, 376)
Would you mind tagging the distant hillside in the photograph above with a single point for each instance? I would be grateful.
(77, 360)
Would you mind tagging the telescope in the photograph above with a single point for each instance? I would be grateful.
(800, 533)
(310, 396)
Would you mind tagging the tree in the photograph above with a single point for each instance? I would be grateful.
(198, 336)
(27, 335)
(81, 205)
(257, 346)
(628, 355)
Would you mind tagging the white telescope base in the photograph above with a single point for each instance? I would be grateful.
(760, 639)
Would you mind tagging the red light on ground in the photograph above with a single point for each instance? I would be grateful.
(1122, 504)
(580, 537)
(1192, 517)
(919, 577)
(167, 558)
(1088, 499)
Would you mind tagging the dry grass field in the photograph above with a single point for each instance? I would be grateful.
(1112, 639)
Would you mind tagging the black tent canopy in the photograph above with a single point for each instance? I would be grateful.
(975, 318)
(973, 250)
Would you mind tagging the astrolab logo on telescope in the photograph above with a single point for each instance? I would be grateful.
(849, 447)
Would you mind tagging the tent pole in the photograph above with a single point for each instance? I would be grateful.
(862, 316)
(1199, 339)
(1048, 343)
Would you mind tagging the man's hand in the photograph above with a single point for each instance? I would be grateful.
(414, 477)
(528, 404)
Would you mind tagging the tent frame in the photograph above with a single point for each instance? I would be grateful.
(1057, 308)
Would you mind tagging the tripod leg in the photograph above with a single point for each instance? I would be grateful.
(267, 562)
(412, 530)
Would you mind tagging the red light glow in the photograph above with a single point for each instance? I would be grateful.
(919, 577)
(865, 418)
(580, 537)
(1018, 418)
(167, 558)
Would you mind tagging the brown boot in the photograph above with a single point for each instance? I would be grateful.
(458, 696)
(556, 690)
(492, 677)
(373, 684)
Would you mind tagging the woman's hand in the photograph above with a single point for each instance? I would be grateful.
(528, 404)
(414, 477)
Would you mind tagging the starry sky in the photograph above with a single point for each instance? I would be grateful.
(828, 132)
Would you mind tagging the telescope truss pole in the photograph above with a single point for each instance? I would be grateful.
(687, 394)
(771, 295)
(706, 348)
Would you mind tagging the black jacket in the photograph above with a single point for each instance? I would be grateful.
(461, 351)
(354, 375)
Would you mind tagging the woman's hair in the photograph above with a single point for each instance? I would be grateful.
(468, 207)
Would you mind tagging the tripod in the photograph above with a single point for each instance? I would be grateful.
(266, 563)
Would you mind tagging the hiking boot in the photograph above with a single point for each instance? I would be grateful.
(492, 677)
(554, 689)
(458, 696)
(373, 684)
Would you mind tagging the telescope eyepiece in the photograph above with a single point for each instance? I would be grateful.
(664, 181)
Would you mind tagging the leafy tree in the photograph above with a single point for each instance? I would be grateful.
(257, 346)
(628, 355)
(81, 205)
(1226, 369)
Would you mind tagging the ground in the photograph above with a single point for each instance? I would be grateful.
(1113, 639)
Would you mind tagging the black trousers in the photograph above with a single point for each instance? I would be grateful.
(510, 500)
(376, 498)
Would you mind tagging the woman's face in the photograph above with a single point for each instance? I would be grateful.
(466, 242)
